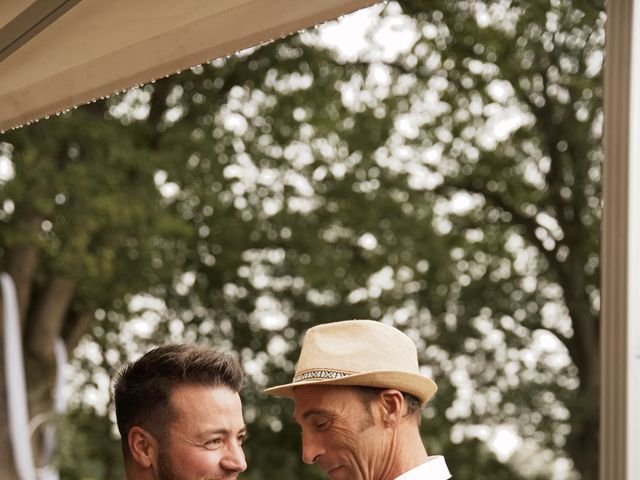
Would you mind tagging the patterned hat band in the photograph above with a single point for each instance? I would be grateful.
(321, 375)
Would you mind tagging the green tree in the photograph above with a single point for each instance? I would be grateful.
(451, 189)
(541, 184)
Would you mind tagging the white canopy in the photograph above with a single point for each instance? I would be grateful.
(62, 53)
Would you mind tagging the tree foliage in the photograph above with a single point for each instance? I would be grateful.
(451, 189)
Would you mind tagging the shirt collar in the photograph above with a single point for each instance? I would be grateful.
(434, 468)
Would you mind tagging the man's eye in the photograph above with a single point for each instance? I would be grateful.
(214, 442)
(242, 438)
(323, 426)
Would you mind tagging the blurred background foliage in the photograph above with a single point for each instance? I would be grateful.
(445, 179)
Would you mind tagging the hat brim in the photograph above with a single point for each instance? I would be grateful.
(420, 387)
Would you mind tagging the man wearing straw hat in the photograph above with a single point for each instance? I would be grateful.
(358, 393)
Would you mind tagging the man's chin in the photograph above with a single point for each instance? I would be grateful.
(338, 473)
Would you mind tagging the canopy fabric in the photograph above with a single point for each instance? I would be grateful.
(99, 47)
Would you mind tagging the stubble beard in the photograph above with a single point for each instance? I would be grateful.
(166, 471)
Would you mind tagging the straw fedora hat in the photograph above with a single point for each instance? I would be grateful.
(358, 353)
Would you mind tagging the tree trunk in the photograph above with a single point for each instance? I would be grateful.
(583, 441)
(583, 447)
(44, 327)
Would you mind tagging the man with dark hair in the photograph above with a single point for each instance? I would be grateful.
(179, 415)
(358, 392)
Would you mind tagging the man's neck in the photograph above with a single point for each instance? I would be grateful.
(414, 453)
(408, 454)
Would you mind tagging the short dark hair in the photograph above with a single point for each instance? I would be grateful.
(368, 394)
(143, 388)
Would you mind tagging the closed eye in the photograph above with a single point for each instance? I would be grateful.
(322, 426)
(214, 442)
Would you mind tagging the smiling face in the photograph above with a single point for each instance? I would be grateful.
(205, 439)
(339, 432)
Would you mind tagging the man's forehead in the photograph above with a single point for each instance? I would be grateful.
(216, 394)
(199, 402)
(321, 400)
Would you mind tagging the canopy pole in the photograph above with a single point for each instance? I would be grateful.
(33, 19)
(615, 242)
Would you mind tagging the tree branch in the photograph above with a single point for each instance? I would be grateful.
(528, 223)
(75, 328)
(22, 264)
(48, 319)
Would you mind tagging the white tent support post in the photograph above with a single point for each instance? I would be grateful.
(618, 439)
(20, 424)
(16, 384)
(633, 311)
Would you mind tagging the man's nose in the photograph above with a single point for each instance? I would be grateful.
(311, 449)
(234, 460)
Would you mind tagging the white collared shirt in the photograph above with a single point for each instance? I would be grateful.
(433, 469)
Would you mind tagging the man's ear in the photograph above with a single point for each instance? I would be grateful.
(143, 446)
(391, 402)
